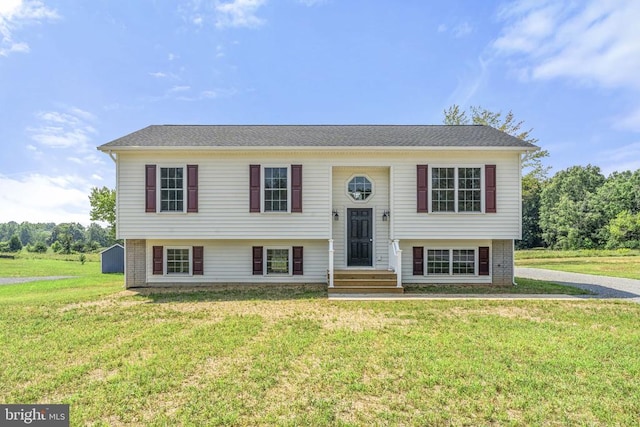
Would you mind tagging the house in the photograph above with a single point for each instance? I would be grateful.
(318, 204)
(112, 259)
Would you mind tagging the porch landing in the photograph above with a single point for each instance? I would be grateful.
(364, 282)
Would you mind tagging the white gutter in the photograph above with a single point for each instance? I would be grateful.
(354, 148)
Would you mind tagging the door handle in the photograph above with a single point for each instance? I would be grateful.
(371, 240)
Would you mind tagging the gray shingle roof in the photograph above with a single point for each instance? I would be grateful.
(321, 136)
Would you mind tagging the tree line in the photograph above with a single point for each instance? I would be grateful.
(62, 238)
(580, 208)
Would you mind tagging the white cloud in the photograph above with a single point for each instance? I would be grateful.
(41, 198)
(462, 29)
(459, 30)
(15, 14)
(629, 121)
(238, 13)
(312, 2)
(595, 42)
(224, 13)
(622, 158)
(63, 129)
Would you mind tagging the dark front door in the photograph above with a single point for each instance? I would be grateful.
(360, 237)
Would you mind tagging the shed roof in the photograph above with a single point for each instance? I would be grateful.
(111, 247)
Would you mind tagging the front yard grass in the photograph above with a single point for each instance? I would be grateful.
(272, 358)
(523, 286)
(619, 263)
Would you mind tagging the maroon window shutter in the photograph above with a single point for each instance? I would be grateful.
(192, 188)
(423, 188)
(158, 263)
(296, 188)
(483, 260)
(297, 260)
(490, 188)
(418, 261)
(257, 260)
(150, 188)
(254, 188)
(198, 260)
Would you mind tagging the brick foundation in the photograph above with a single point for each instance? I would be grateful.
(502, 262)
(135, 270)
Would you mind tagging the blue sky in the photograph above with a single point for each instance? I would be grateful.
(76, 74)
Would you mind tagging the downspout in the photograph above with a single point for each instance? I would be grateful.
(513, 261)
(110, 153)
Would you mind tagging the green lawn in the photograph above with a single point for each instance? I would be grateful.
(620, 263)
(282, 358)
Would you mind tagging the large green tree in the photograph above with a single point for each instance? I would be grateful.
(531, 161)
(103, 207)
(567, 220)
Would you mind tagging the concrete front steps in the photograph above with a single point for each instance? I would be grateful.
(365, 282)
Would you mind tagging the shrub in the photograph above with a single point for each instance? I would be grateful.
(624, 231)
(38, 247)
(15, 245)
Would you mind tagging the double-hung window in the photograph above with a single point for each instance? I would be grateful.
(278, 261)
(172, 192)
(456, 189)
(178, 261)
(451, 262)
(276, 189)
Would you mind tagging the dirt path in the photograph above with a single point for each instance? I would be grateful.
(14, 280)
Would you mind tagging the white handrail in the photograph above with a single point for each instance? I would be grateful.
(331, 263)
(395, 260)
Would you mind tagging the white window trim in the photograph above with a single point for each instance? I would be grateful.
(368, 199)
(159, 189)
(262, 189)
(165, 261)
(476, 261)
(290, 262)
(455, 189)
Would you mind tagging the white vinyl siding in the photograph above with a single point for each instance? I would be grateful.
(231, 261)
(223, 198)
(445, 261)
(407, 223)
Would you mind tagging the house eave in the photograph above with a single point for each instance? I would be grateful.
(115, 149)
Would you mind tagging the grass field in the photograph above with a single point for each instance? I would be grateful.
(618, 263)
(283, 358)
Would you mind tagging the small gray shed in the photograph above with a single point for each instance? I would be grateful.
(112, 259)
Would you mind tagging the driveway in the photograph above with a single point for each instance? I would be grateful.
(602, 286)
(14, 280)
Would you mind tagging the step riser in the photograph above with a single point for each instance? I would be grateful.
(366, 290)
(365, 283)
(364, 274)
